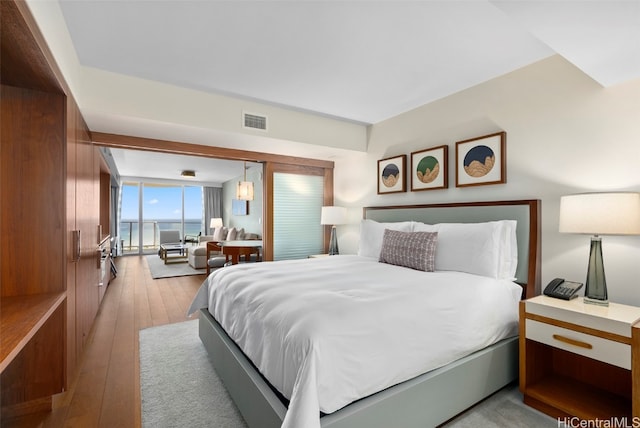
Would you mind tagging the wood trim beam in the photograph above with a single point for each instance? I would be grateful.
(182, 148)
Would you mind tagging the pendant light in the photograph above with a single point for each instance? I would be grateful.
(244, 190)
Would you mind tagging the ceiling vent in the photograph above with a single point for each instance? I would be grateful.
(254, 121)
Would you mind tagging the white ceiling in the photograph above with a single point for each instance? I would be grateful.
(362, 61)
(135, 164)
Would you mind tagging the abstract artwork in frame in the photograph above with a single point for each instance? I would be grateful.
(239, 207)
(429, 169)
(481, 160)
(392, 177)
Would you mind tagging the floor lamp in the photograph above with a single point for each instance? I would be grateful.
(598, 214)
(331, 216)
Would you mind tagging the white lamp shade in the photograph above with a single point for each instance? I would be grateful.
(215, 222)
(333, 215)
(244, 191)
(616, 213)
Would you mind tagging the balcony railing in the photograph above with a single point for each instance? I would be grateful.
(129, 233)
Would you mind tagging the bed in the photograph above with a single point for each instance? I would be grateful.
(330, 385)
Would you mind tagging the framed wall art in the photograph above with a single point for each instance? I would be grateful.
(392, 177)
(239, 207)
(481, 160)
(429, 169)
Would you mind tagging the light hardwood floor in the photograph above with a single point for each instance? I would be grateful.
(106, 388)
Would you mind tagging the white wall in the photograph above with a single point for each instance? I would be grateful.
(252, 222)
(119, 104)
(565, 134)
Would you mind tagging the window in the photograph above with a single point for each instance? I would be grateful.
(129, 219)
(147, 208)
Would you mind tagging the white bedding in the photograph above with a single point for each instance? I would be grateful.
(328, 331)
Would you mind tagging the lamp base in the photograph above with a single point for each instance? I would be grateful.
(333, 243)
(596, 301)
(595, 291)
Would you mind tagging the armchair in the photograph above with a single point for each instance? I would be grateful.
(169, 237)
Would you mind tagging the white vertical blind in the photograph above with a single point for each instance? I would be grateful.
(297, 202)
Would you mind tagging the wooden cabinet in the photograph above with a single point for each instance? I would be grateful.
(580, 360)
(50, 186)
(87, 219)
(32, 231)
(84, 234)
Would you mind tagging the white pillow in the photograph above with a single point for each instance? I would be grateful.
(469, 247)
(371, 233)
(509, 254)
(487, 249)
(220, 233)
(240, 234)
(231, 234)
(424, 227)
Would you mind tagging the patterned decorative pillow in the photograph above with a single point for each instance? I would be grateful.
(415, 250)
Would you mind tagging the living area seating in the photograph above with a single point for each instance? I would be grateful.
(249, 250)
(169, 237)
(198, 255)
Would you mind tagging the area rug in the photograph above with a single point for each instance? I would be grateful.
(181, 389)
(160, 270)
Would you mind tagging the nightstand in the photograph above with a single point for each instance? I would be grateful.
(580, 360)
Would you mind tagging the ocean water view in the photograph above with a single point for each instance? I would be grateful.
(129, 232)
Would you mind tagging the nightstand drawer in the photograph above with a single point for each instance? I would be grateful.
(608, 351)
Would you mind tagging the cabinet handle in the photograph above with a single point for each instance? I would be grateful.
(76, 244)
(573, 341)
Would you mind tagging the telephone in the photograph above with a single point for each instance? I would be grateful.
(562, 289)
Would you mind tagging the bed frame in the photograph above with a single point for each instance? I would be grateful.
(429, 399)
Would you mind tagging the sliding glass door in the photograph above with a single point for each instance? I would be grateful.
(297, 203)
(193, 209)
(148, 208)
(161, 210)
(129, 226)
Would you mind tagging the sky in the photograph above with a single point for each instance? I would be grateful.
(161, 202)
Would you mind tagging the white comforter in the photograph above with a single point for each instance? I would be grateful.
(328, 331)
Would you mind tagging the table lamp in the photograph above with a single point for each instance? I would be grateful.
(615, 213)
(333, 216)
(215, 222)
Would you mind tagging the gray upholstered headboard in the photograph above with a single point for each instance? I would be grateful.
(525, 212)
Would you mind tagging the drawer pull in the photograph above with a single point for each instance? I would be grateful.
(573, 342)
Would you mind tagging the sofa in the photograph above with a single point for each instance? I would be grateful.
(198, 253)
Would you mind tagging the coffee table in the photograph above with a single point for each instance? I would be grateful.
(181, 249)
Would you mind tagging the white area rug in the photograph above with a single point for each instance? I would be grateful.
(179, 386)
(160, 270)
(181, 389)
